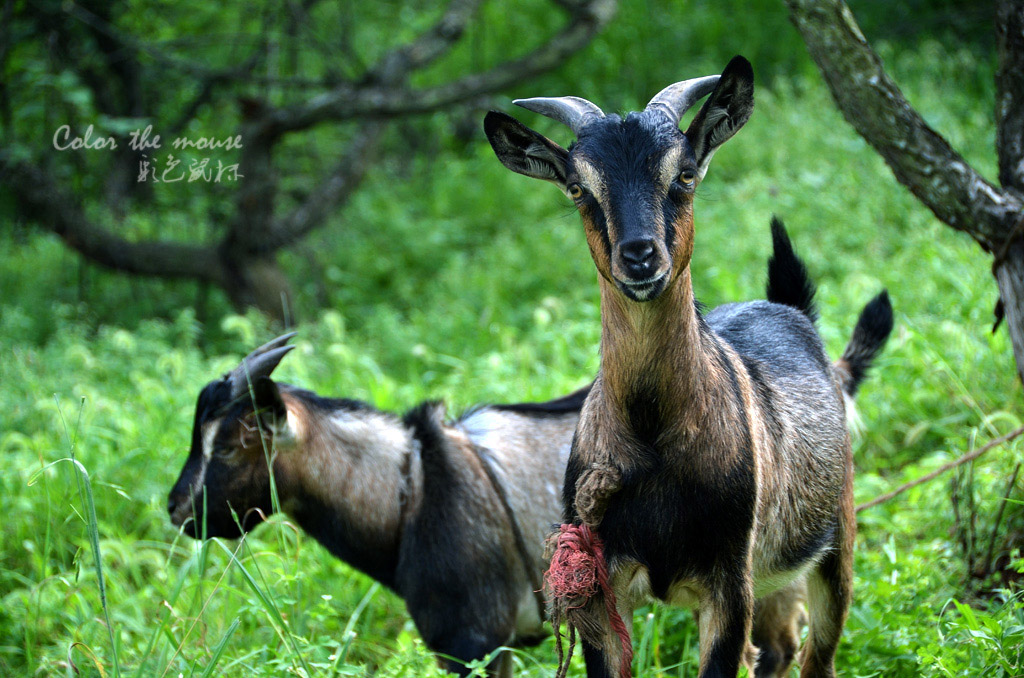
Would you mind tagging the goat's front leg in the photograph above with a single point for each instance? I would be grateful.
(597, 662)
(725, 618)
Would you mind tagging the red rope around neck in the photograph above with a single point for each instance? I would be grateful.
(578, 570)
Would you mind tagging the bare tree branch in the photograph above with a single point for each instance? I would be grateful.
(431, 44)
(244, 263)
(335, 189)
(242, 73)
(919, 157)
(207, 88)
(347, 101)
(61, 213)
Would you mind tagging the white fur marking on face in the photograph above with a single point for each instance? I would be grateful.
(209, 433)
(591, 180)
(199, 479)
(668, 169)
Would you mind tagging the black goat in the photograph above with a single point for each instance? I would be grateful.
(451, 516)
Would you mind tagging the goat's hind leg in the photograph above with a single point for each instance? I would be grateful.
(777, 621)
(830, 590)
(502, 666)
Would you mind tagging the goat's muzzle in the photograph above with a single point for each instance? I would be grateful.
(179, 507)
(641, 268)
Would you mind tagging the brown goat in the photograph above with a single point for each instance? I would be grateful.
(712, 454)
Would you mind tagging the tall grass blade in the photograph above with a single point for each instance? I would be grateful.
(85, 492)
(349, 633)
(271, 608)
(219, 650)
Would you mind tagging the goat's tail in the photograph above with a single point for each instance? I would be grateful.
(788, 280)
(869, 337)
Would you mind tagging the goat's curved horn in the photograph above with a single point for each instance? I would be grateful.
(574, 112)
(676, 99)
(273, 343)
(260, 363)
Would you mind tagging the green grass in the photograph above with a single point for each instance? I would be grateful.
(449, 277)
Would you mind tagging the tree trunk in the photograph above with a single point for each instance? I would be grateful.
(1010, 277)
(1009, 264)
(920, 158)
(260, 282)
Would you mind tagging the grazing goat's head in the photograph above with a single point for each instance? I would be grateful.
(228, 469)
(632, 178)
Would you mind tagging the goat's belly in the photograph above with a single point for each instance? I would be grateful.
(684, 593)
(768, 583)
(787, 547)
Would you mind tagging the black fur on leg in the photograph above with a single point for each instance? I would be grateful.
(596, 662)
(767, 662)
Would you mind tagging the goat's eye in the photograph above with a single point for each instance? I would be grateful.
(575, 191)
(687, 177)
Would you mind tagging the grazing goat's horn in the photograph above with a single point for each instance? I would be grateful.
(676, 99)
(259, 363)
(574, 112)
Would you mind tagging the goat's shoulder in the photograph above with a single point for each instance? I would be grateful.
(523, 435)
(781, 339)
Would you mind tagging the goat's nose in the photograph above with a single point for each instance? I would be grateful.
(172, 504)
(637, 255)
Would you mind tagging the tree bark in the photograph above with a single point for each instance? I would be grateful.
(1009, 264)
(1010, 94)
(920, 158)
(1010, 277)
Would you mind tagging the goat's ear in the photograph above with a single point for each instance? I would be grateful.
(269, 405)
(522, 150)
(726, 110)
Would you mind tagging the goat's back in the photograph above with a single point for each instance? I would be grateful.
(528, 450)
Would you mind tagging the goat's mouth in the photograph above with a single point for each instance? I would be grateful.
(224, 529)
(182, 516)
(643, 290)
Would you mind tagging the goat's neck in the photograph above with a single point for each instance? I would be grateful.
(657, 350)
(347, 481)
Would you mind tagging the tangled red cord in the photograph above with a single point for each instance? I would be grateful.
(578, 570)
